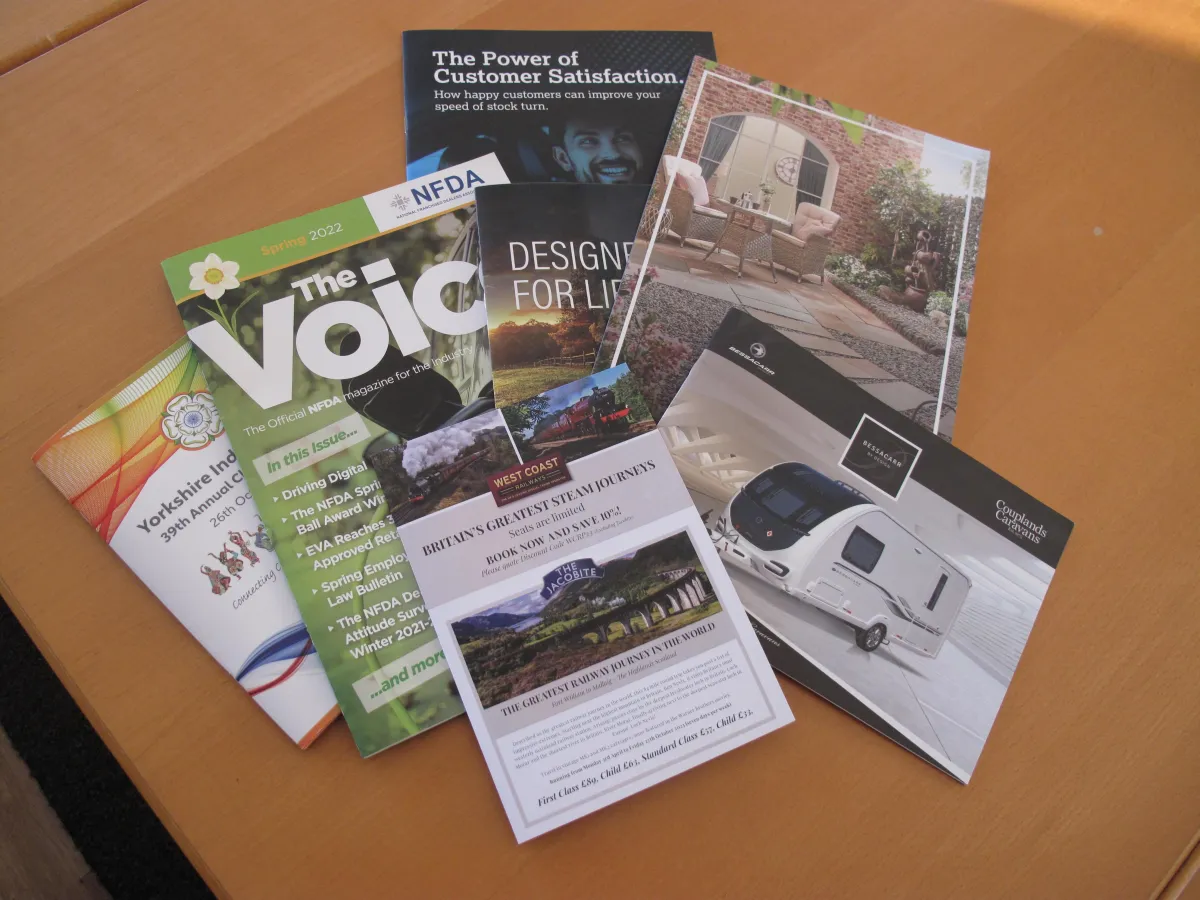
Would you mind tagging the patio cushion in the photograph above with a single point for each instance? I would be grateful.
(674, 164)
(694, 185)
(687, 174)
(784, 236)
(808, 215)
(812, 229)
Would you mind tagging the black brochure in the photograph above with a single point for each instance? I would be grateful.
(589, 106)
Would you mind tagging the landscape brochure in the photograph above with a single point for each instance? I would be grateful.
(553, 256)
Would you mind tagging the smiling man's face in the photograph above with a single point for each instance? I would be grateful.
(599, 152)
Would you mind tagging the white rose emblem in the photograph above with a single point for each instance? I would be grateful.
(213, 276)
(191, 420)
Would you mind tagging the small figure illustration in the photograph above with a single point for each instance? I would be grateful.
(219, 583)
(230, 561)
(262, 540)
(243, 547)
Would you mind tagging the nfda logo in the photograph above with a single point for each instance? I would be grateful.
(447, 186)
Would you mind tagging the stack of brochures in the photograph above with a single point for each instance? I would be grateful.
(641, 384)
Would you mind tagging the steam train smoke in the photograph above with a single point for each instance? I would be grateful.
(437, 448)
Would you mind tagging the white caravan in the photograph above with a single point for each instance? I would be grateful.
(825, 543)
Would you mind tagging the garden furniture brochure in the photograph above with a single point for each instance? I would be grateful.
(854, 236)
(323, 340)
(596, 640)
(590, 106)
(885, 569)
(553, 255)
(153, 473)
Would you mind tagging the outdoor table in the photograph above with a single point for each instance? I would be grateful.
(746, 229)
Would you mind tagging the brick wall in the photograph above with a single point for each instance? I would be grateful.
(857, 164)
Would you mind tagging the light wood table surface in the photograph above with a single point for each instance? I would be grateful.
(183, 121)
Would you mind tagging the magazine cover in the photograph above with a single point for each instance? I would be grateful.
(553, 256)
(853, 236)
(886, 570)
(152, 471)
(325, 339)
(590, 106)
(596, 639)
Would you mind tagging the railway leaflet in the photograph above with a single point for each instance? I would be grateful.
(885, 570)
(326, 340)
(597, 642)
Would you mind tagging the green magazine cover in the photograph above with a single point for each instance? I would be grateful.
(325, 340)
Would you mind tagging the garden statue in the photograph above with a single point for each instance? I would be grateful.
(921, 275)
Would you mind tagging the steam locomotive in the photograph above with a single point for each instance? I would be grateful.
(599, 413)
(435, 476)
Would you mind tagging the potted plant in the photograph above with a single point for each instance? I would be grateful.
(766, 190)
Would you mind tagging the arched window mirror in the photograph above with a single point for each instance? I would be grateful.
(745, 151)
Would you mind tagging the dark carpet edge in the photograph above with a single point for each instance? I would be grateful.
(116, 831)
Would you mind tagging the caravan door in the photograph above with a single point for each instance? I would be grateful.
(927, 632)
(844, 562)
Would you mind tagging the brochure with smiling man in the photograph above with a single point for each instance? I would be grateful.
(324, 340)
(581, 106)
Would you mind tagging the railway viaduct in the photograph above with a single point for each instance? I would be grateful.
(687, 590)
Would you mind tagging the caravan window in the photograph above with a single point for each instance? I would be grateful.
(862, 550)
(937, 591)
(802, 497)
(783, 503)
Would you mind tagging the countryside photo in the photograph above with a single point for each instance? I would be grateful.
(444, 467)
(585, 416)
(553, 255)
(583, 613)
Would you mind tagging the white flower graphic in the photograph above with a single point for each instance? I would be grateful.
(213, 276)
(191, 420)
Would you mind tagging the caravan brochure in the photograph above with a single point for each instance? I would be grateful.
(324, 340)
(581, 106)
(852, 235)
(152, 471)
(595, 637)
(886, 570)
(553, 256)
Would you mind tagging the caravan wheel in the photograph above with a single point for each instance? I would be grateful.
(869, 639)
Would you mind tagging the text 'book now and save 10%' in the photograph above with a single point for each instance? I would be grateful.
(151, 469)
(325, 341)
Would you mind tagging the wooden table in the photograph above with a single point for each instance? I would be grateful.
(182, 121)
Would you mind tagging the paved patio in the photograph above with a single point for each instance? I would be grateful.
(810, 313)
